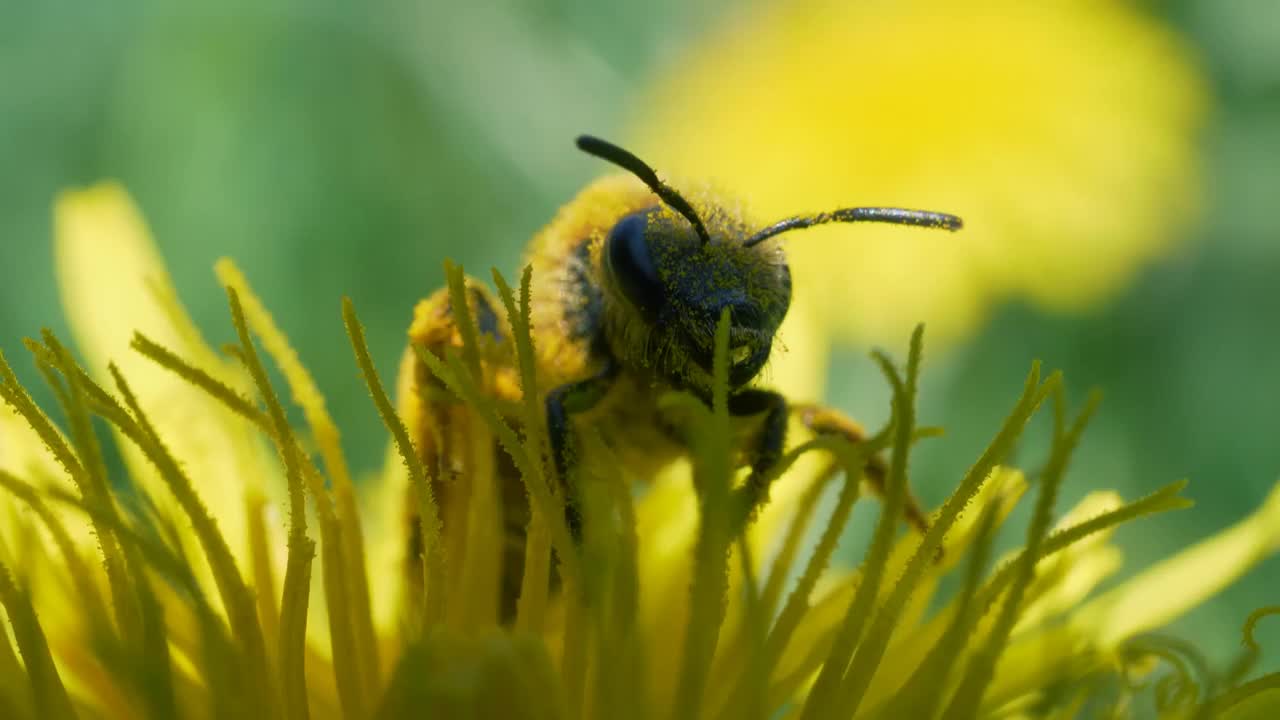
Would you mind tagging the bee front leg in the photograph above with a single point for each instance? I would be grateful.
(571, 399)
(766, 452)
(826, 421)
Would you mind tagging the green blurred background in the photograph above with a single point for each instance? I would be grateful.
(333, 150)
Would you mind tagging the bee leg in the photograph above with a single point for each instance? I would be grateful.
(825, 421)
(766, 452)
(566, 400)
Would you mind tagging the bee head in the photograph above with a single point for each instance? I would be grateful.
(678, 270)
(680, 285)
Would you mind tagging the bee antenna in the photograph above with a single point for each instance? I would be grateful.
(624, 159)
(896, 216)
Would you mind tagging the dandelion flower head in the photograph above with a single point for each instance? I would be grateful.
(235, 569)
(1063, 132)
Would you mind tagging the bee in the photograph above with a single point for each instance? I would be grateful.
(628, 283)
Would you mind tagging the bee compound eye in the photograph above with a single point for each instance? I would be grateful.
(631, 263)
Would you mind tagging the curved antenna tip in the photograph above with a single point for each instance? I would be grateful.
(627, 160)
(590, 143)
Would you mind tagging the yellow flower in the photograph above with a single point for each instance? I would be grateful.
(1063, 132)
(188, 599)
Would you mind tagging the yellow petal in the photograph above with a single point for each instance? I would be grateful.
(912, 639)
(801, 355)
(383, 498)
(667, 524)
(1066, 578)
(21, 452)
(1166, 590)
(1039, 650)
(25, 457)
(113, 283)
(1035, 661)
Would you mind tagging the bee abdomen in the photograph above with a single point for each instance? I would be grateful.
(459, 454)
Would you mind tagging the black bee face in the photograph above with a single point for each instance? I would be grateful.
(680, 285)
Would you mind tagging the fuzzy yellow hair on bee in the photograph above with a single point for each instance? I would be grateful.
(629, 282)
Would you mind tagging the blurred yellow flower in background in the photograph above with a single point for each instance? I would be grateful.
(189, 601)
(1063, 132)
